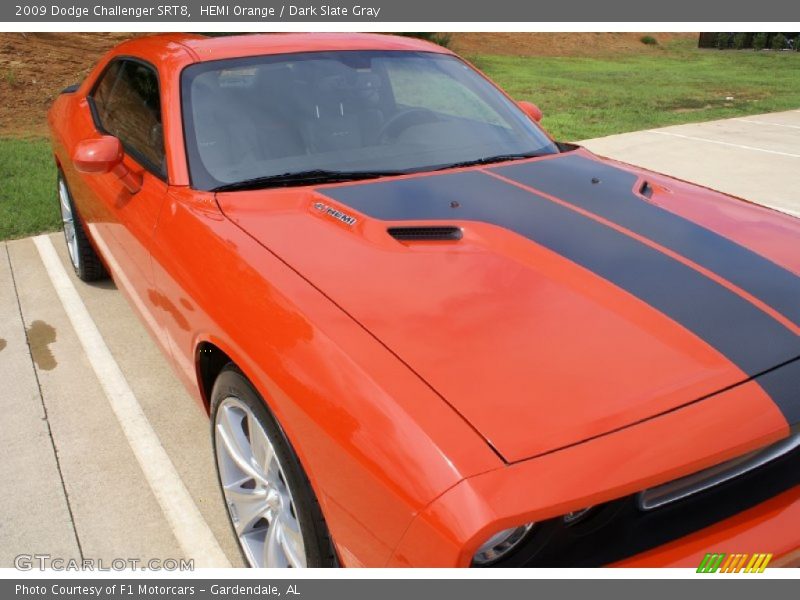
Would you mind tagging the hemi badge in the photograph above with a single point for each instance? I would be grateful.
(336, 214)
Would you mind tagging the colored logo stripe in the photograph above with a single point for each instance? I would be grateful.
(570, 179)
(739, 330)
(710, 563)
(735, 563)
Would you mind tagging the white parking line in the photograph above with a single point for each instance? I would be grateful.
(767, 123)
(742, 146)
(188, 526)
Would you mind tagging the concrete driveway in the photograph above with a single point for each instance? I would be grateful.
(88, 450)
(73, 484)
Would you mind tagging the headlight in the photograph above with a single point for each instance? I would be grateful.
(500, 544)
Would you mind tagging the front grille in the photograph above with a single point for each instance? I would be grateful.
(621, 529)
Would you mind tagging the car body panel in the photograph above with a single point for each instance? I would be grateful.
(295, 344)
(436, 306)
(428, 402)
(756, 227)
(726, 425)
(220, 48)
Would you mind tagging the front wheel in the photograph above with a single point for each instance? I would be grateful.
(87, 265)
(272, 508)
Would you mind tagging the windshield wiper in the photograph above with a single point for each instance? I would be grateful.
(302, 178)
(487, 160)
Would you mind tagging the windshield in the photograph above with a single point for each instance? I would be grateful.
(351, 112)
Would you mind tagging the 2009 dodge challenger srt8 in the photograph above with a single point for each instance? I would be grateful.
(427, 334)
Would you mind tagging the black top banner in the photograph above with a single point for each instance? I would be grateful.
(439, 11)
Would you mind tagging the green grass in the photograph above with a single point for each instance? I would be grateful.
(581, 98)
(592, 97)
(28, 202)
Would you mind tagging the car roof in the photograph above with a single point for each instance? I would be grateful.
(206, 48)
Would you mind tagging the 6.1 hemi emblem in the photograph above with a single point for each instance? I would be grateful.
(335, 213)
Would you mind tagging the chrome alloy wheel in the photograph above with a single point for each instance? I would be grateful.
(256, 489)
(68, 220)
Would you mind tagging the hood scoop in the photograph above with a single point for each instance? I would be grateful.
(426, 233)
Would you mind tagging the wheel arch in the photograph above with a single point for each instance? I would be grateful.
(210, 359)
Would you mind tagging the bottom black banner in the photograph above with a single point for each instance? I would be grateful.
(731, 588)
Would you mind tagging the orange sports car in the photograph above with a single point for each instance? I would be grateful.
(426, 333)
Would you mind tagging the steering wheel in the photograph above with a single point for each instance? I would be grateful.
(402, 120)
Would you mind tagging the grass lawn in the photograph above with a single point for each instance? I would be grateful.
(584, 98)
(581, 98)
(28, 202)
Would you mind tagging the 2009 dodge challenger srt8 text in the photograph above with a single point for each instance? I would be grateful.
(426, 333)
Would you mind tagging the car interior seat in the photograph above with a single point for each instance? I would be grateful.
(273, 105)
(331, 120)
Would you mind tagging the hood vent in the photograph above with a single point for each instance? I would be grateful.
(646, 190)
(425, 234)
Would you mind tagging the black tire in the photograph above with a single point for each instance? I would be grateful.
(316, 538)
(87, 264)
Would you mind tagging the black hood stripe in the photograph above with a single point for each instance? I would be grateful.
(783, 385)
(747, 336)
(607, 191)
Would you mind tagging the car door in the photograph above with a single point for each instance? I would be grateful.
(126, 103)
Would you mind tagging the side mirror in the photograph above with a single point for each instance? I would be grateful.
(98, 156)
(530, 109)
(103, 155)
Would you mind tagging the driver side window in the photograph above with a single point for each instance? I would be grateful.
(127, 105)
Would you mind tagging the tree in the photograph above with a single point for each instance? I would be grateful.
(779, 41)
(723, 40)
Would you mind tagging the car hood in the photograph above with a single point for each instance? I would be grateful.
(563, 303)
